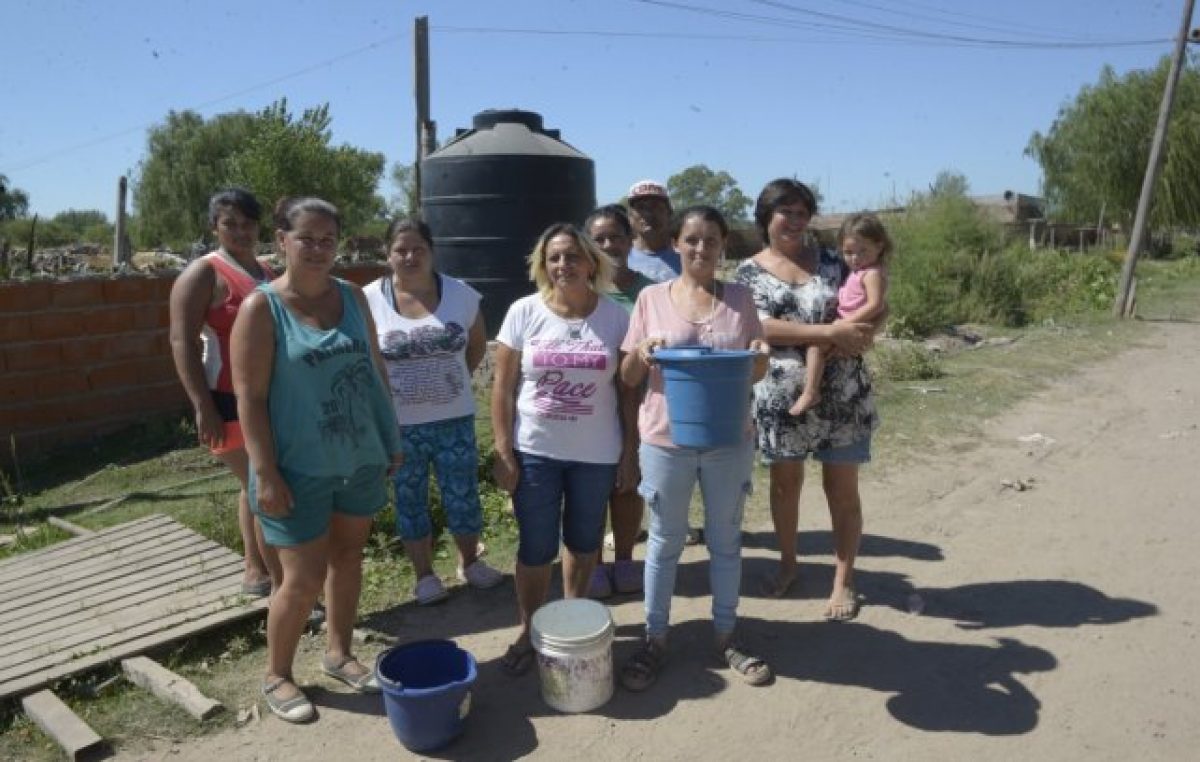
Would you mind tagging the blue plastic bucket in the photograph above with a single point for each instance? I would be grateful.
(708, 394)
(426, 691)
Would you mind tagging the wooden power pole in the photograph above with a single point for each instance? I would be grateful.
(1122, 307)
(426, 130)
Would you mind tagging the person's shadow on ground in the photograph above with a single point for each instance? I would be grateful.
(1036, 602)
(957, 687)
(820, 542)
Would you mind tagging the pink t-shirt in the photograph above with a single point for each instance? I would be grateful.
(853, 294)
(733, 325)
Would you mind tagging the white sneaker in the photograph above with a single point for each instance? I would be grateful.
(480, 576)
(430, 590)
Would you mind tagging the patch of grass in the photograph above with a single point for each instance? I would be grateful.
(906, 361)
(979, 384)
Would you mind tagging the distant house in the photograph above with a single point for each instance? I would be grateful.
(1012, 208)
(1022, 215)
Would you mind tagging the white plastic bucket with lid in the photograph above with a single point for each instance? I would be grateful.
(573, 639)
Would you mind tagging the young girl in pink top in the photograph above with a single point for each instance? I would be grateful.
(865, 247)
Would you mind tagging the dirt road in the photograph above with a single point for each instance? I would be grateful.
(1059, 621)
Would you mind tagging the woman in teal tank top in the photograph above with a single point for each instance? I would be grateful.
(321, 435)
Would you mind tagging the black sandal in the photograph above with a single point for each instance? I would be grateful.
(641, 670)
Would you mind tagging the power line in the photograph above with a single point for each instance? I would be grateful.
(849, 34)
(875, 29)
(937, 15)
(44, 158)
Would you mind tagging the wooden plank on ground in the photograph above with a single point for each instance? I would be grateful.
(20, 566)
(69, 527)
(132, 648)
(144, 584)
(85, 629)
(169, 686)
(105, 568)
(113, 603)
(83, 548)
(58, 721)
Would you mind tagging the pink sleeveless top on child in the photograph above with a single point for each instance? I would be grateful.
(853, 295)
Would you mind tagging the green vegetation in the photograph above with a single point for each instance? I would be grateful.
(14, 202)
(700, 185)
(1095, 152)
(952, 265)
(271, 153)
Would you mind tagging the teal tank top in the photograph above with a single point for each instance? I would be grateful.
(330, 414)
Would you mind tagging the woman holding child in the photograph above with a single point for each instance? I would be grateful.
(795, 283)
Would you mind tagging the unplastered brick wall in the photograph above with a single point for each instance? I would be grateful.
(85, 357)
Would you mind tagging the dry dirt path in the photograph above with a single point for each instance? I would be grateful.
(1059, 622)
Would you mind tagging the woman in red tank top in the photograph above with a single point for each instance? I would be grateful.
(204, 302)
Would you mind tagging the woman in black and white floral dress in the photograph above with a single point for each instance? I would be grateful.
(795, 285)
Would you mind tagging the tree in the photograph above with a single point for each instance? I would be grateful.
(1094, 155)
(404, 201)
(14, 202)
(271, 153)
(186, 162)
(291, 157)
(949, 183)
(700, 185)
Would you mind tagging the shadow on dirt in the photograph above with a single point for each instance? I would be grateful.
(930, 686)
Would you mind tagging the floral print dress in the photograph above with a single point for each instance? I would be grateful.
(846, 413)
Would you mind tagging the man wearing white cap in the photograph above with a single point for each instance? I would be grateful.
(650, 212)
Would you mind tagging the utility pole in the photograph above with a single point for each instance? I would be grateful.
(426, 130)
(1123, 305)
(120, 255)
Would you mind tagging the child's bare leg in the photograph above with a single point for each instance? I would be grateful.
(814, 360)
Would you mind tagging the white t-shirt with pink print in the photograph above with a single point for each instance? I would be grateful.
(566, 395)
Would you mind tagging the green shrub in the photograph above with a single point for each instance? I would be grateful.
(905, 362)
(952, 266)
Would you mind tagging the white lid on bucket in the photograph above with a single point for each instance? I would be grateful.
(571, 622)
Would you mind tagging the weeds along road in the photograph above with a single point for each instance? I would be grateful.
(1055, 576)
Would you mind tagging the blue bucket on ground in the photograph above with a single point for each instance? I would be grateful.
(426, 691)
(708, 394)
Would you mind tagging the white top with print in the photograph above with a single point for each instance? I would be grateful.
(567, 395)
(426, 357)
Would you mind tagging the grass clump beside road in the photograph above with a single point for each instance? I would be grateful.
(927, 400)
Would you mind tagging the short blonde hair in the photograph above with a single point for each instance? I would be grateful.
(602, 265)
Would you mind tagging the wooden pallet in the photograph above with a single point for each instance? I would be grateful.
(115, 593)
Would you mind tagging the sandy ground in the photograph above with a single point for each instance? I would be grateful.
(1059, 622)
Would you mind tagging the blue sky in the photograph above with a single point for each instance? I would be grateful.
(759, 88)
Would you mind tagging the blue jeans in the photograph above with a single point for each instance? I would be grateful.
(560, 493)
(669, 476)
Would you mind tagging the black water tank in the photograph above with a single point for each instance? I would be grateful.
(489, 193)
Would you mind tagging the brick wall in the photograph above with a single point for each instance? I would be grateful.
(81, 358)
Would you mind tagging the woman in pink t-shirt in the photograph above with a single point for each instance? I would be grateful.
(695, 308)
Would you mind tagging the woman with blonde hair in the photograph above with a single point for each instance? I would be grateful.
(560, 441)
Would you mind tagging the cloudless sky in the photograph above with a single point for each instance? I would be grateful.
(869, 99)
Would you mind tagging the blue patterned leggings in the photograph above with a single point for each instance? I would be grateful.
(449, 446)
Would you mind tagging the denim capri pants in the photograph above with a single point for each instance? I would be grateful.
(553, 494)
